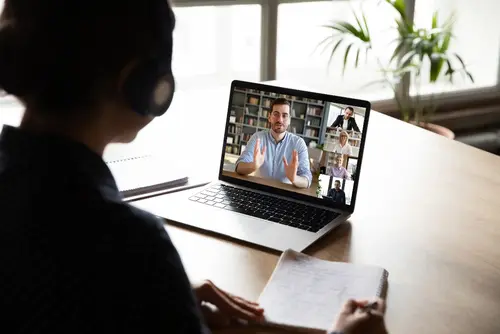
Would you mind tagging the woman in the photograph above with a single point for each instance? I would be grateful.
(343, 146)
(74, 256)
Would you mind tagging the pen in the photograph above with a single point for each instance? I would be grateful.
(370, 306)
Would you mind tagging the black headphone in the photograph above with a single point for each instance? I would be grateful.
(150, 87)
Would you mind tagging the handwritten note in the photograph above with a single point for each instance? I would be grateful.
(305, 292)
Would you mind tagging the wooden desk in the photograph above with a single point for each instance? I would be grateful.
(311, 191)
(429, 212)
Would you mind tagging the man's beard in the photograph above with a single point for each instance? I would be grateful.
(278, 129)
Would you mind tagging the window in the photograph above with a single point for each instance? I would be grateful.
(299, 59)
(477, 40)
(324, 181)
(212, 46)
(215, 44)
(11, 111)
(348, 189)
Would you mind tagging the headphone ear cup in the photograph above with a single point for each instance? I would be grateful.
(149, 89)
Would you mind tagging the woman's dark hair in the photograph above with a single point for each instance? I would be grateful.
(60, 55)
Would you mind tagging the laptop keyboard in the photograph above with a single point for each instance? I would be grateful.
(267, 207)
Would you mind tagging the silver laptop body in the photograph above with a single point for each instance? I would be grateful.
(208, 208)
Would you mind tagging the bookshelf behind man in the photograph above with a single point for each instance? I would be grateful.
(249, 114)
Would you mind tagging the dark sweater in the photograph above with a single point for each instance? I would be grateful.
(74, 257)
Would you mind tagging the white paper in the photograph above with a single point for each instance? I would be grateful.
(306, 292)
(147, 171)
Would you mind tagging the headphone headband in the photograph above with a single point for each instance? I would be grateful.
(150, 86)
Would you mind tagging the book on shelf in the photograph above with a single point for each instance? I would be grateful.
(306, 293)
(253, 100)
(141, 175)
(314, 111)
(312, 132)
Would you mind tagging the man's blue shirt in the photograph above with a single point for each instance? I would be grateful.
(273, 167)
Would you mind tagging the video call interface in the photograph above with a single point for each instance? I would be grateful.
(294, 143)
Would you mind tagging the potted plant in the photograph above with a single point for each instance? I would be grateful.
(418, 54)
(318, 189)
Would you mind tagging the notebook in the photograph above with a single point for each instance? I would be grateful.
(306, 293)
(146, 174)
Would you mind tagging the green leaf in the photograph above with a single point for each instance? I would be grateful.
(464, 67)
(397, 51)
(346, 55)
(440, 64)
(407, 58)
(470, 76)
(403, 28)
(327, 41)
(446, 43)
(435, 20)
(407, 69)
(450, 71)
(438, 31)
(400, 6)
(357, 58)
(417, 42)
(366, 26)
(397, 39)
(355, 32)
(337, 27)
(333, 51)
(436, 65)
(361, 29)
(460, 60)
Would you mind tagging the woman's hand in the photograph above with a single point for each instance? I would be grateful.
(220, 307)
(353, 320)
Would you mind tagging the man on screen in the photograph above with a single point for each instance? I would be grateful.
(338, 170)
(346, 121)
(276, 153)
(337, 194)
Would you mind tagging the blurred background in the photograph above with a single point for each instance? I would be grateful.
(445, 72)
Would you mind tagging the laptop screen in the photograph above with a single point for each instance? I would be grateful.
(297, 143)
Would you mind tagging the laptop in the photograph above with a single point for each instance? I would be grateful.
(289, 168)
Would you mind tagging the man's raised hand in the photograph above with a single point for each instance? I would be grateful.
(258, 154)
(292, 167)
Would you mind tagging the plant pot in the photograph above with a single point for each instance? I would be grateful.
(438, 129)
